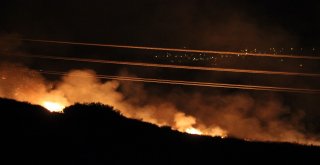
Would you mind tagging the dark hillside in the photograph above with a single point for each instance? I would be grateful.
(97, 134)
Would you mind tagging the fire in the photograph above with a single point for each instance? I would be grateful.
(53, 106)
(217, 131)
(193, 131)
(84, 86)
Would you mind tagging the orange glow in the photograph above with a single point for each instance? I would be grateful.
(53, 106)
(193, 131)
(221, 112)
(217, 131)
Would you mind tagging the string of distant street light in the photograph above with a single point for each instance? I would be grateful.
(167, 65)
(176, 49)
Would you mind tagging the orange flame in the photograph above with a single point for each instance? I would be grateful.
(193, 131)
(53, 106)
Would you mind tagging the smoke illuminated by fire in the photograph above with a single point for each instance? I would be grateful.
(235, 115)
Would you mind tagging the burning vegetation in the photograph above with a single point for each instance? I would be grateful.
(236, 115)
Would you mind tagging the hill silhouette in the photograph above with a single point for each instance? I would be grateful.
(98, 134)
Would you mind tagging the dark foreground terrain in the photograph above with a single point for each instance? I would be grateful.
(96, 134)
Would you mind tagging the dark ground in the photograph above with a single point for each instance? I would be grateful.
(96, 134)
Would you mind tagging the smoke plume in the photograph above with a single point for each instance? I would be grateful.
(237, 115)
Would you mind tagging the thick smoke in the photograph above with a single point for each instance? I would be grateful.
(248, 118)
(82, 86)
(236, 115)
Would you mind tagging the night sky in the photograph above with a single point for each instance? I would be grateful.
(196, 24)
(278, 27)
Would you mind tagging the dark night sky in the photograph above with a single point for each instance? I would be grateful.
(193, 23)
(197, 24)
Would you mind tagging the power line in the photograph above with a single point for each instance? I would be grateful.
(176, 49)
(170, 66)
(195, 83)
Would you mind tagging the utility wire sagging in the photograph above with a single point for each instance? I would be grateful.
(176, 50)
(195, 83)
(143, 64)
(173, 66)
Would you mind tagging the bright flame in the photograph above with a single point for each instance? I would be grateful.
(53, 106)
(193, 131)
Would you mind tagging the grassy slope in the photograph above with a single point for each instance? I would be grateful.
(96, 134)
